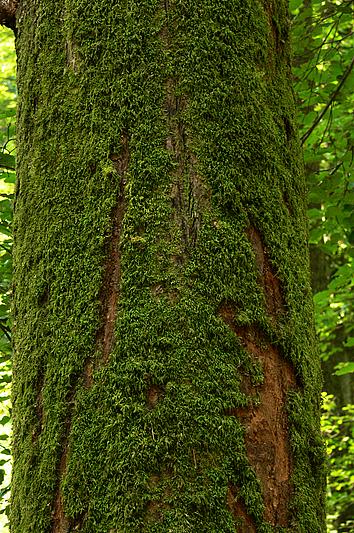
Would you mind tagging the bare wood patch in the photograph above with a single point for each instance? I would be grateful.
(72, 55)
(265, 421)
(267, 277)
(154, 511)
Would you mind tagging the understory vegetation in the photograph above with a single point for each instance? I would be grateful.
(323, 70)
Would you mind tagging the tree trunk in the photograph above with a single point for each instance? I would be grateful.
(166, 375)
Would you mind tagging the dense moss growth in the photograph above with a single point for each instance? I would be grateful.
(200, 93)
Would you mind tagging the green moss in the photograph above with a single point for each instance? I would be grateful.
(88, 74)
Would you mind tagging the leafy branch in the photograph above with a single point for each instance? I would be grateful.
(332, 98)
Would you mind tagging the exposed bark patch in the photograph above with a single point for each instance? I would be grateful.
(277, 31)
(154, 395)
(44, 297)
(61, 523)
(245, 523)
(289, 130)
(266, 424)
(8, 13)
(267, 277)
(288, 204)
(226, 311)
(157, 290)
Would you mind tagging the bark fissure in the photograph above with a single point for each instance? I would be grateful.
(187, 190)
(268, 278)
(110, 289)
(112, 276)
(109, 297)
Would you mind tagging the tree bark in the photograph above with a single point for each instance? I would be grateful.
(166, 374)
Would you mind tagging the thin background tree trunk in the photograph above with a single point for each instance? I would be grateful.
(166, 375)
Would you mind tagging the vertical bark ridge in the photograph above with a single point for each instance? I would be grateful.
(110, 289)
(188, 194)
(112, 276)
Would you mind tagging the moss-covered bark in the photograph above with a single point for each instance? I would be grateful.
(166, 375)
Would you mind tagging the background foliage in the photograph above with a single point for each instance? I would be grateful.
(7, 180)
(324, 80)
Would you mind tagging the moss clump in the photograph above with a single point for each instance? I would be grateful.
(149, 445)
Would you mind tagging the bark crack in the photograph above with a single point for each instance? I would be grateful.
(110, 289)
(109, 296)
(188, 191)
(268, 278)
(112, 275)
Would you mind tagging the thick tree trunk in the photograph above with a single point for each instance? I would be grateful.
(166, 375)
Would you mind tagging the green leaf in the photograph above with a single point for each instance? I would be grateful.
(7, 161)
(294, 4)
(350, 342)
(344, 368)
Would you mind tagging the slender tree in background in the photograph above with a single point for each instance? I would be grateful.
(166, 375)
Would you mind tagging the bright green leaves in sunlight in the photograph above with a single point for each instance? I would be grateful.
(324, 72)
(324, 80)
(7, 180)
(338, 430)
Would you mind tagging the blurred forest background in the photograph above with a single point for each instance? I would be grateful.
(323, 69)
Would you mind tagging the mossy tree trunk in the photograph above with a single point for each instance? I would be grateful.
(166, 375)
